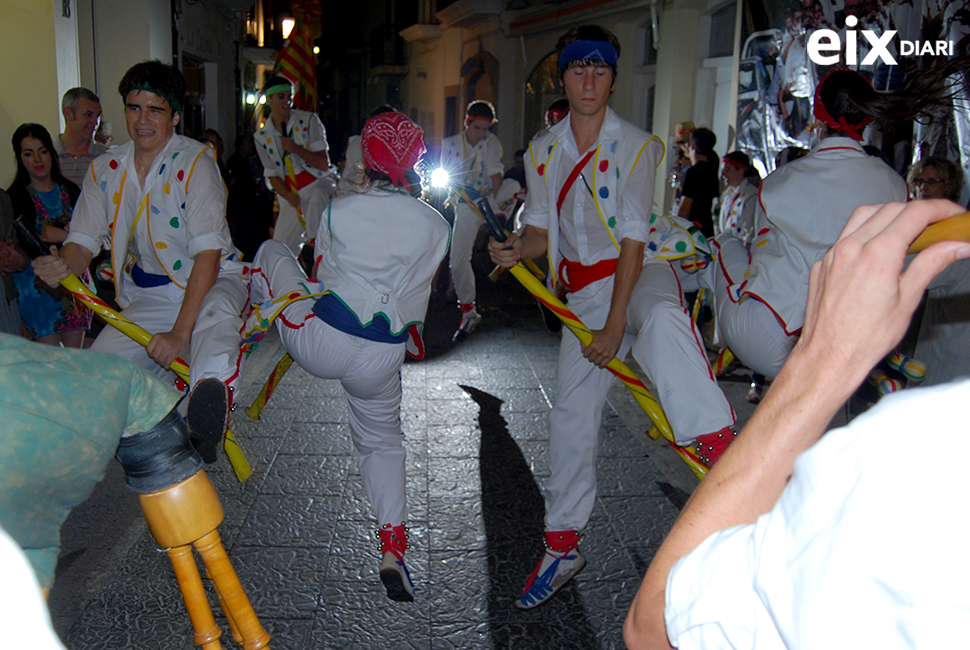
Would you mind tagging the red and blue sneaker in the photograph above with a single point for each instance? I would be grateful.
(394, 573)
(561, 561)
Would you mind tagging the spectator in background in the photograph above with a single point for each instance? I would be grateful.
(701, 186)
(681, 162)
(249, 207)
(517, 172)
(788, 154)
(212, 138)
(45, 199)
(12, 260)
(76, 147)
(944, 333)
(935, 177)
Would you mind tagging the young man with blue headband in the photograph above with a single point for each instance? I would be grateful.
(590, 207)
(161, 203)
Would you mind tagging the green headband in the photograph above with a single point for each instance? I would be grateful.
(174, 103)
(277, 88)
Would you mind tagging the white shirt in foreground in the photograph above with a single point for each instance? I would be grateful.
(864, 548)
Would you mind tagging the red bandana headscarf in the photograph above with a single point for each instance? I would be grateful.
(854, 131)
(392, 144)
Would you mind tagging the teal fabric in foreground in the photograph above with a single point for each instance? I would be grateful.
(62, 413)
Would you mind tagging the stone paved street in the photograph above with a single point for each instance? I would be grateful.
(300, 533)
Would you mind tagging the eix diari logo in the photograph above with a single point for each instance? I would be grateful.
(827, 40)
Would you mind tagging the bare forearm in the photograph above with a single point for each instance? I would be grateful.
(77, 257)
(744, 484)
(319, 159)
(205, 271)
(683, 210)
(279, 185)
(628, 268)
(534, 242)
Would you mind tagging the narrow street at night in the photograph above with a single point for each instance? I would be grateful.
(301, 536)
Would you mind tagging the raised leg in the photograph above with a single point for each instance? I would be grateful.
(207, 633)
(233, 598)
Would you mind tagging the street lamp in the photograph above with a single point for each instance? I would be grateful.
(288, 25)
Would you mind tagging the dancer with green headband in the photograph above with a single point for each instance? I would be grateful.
(160, 202)
(292, 145)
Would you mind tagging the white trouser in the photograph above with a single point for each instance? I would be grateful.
(369, 371)
(749, 328)
(313, 200)
(667, 346)
(467, 224)
(214, 346)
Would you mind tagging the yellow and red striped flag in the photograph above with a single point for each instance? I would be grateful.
(297, 61)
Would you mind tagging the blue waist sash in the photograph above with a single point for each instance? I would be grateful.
(337, 315)
(146, 280)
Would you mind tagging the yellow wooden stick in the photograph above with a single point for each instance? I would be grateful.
(953, 229)
(640, 392)
(272, 382)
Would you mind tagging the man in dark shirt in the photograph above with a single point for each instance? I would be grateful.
(701, 185)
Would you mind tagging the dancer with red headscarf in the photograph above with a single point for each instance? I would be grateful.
(376, 252)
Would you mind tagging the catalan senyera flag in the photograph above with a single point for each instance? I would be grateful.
(297, 61)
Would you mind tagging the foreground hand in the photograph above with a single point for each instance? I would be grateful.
(51, 268)
(860, 300)
(165, 347)
(506, 254)
(604, 346)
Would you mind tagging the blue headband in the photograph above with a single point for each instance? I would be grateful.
(588, 51)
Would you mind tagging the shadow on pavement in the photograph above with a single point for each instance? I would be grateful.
(513, 510)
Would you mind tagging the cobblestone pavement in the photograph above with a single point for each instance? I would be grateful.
(300, 534)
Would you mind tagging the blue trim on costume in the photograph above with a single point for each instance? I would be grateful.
(337, 315)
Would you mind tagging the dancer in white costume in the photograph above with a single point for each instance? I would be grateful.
(473, 159)
(161, 202)
(590, 180)
(377, 251)
(296, 138)
(784, 543)
(760, 300)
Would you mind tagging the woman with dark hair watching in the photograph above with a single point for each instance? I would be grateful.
(760, 298)
(377, 250)
(45, 199)
(935, 177)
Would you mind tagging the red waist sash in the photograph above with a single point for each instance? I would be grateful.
(575, 276)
